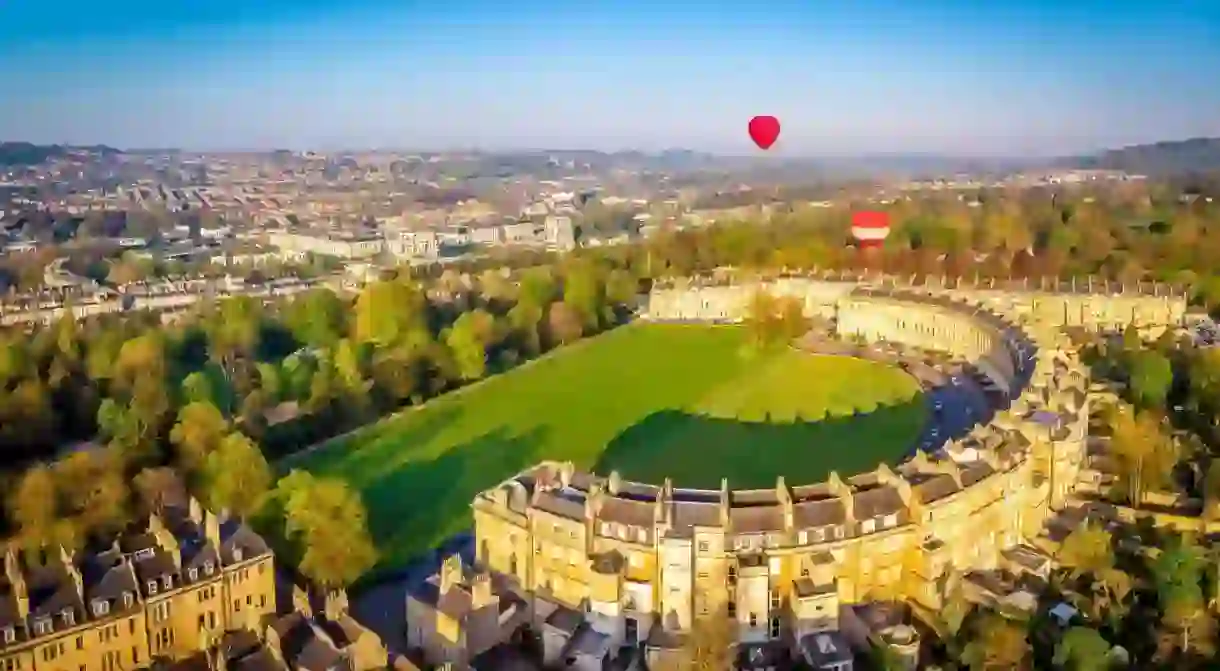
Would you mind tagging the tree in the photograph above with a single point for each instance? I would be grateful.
(765, 321)
(1088, 555)
(388, 312)
(199, 432)
(1143, 454)
(1151, 377)
(1083, 649)
(329, 524)
(585, 294)
(999, 644)
(317, 318)
(708, 645)
(236, 477)
(565, 323)
(35, 511)
(1177, 572)
(94, 491)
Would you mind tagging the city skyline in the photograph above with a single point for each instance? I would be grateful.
(878, 77)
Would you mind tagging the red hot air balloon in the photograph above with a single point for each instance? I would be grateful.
(870, 228)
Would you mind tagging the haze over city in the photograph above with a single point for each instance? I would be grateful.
(1032, 78)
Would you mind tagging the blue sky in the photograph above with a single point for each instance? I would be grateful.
(844, 76)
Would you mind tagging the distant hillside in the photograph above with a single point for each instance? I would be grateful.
(25, 153)
(1201, 154)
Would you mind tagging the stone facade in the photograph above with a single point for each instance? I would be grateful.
(642, 561)
(169, 592)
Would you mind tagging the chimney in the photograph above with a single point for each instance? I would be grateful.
(843, 491)
(195, 511)
(887, 476)
(12, 571)
(68, 559)
(300, 601)
(451, 572)
(726, 502)
(950, 468)
(660, 513)
(164, 538)
(211, 529)
(784, 495)
(481, 595)
(614, 482)
(336, 604)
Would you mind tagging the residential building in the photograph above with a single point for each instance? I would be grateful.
(167, 590)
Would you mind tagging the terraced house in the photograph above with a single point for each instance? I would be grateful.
(603, 562)
(167, 591)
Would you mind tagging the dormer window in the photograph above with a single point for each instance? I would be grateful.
(42, 625)
(146, 553)
(207, 568)
(236, 554)
(100, 607)
(127, 599)
(167, 582)
(152, 586)
(68, 616)
(192, 574)
(9, 634)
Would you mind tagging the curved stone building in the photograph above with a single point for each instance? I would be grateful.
(641, 562)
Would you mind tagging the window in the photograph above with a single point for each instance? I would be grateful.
(167, 582)
(152, 586)
(774, 599)
(236, 554)
(703, 546)
(775, 627)
(732, 609)
(80, 642)
(10, 634)
(207, 568)
(262, 567)
(127, 598)
(192, 574)
(42, 626)
(68, 616)
(753, 619)
(100, 607)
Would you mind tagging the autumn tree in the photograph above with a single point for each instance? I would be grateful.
(199, 432)
(1143, 455)
(1083, 649)
(328, 523)
(998, 644)
(236, 477)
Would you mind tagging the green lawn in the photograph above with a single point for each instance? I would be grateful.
(648, 400)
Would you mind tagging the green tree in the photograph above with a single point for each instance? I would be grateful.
(1083, 649)
(1151, 377)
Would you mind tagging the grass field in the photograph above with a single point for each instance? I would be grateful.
(648, 400)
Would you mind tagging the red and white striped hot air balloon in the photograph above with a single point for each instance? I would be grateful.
(870, 228)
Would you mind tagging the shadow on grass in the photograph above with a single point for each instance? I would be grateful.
(698, 450)
(413, 508)
(383, 446)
